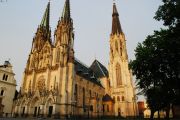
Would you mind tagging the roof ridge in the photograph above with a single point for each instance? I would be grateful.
(100, 68)
(81, 63)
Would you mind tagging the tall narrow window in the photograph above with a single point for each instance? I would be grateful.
(55, 83)
(122, 98)
(107, 108)
(83, 96)
(118, 75)
(121, 51)
(114, 98)
(4, 77)
(58, 55)
(121, 48)
(76, 92)
(90, 93)
(118, 98)
(2, 92)
(116, 45)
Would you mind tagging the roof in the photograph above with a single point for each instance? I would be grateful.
(99, 69)
(85, 72)
(107, 98)
(116, 26)
(6, 64)
(66, 14)
(45, 19)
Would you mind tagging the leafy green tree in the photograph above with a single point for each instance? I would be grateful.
(157, 63)
(169, 12)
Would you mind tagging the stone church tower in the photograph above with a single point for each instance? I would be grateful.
(120, 76)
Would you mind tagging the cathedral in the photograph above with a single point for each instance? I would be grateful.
(56, 84)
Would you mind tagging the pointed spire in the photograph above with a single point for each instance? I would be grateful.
(66, 15)
(45, 20)
(116, 26)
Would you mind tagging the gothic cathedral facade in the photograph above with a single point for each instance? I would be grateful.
(55, 83)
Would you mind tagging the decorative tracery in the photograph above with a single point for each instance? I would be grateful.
(41, 84)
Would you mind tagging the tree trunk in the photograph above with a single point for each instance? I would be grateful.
(167, 112)
(158, 115)
(152, 115)
(173, 112)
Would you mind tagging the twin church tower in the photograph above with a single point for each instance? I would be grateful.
(57, 84)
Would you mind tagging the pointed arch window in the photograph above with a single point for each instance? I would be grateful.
(114, 98)
(58, 55)
(116, 45)
(122, 98)
(76, 92)
(118, 75)
(121, 48)
(118, 98)
(4, 76)
(29, 87)
(107, 108)
(83, 96)
(90, 93)
(2, 92)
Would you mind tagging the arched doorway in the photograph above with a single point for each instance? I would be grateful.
(49, 107)
(119, 111)
(22, 108)
(35, 107)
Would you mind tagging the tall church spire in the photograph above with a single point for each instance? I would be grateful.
(116, 26)
(43, 33)
(66, 15)
(45, 19)
(64, 36)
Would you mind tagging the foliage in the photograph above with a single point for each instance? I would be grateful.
(157, 63)
(169, 12)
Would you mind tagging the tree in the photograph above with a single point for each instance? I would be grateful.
(169, 12)
(157, 63)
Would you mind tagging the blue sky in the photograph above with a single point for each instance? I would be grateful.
(19, 20)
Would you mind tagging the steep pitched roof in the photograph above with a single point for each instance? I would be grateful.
(85, 72)
(99, 69)
(66, 14)
(45, 19)
(116, 26)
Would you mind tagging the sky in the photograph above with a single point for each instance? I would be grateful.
(19, 20)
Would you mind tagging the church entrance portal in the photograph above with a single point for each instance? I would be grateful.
(23, 111)
(50, 111)
(119, 112)
(35, 111)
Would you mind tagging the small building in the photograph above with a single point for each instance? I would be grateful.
(141, 108)
(7, 88)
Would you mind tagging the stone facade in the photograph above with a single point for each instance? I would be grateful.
(55, 83)
(122, 90)
(7, 88)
